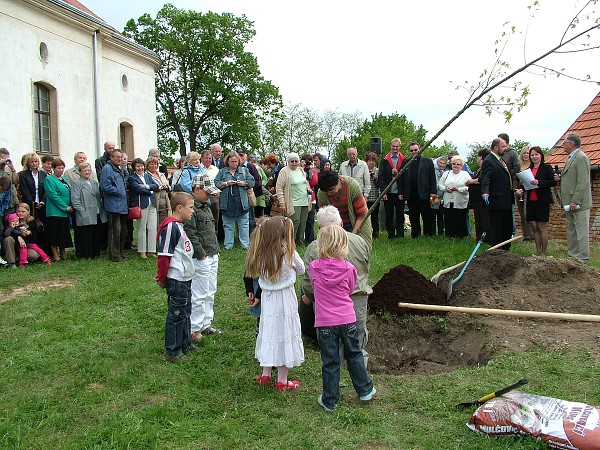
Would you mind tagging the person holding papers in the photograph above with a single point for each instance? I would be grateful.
(539, 198)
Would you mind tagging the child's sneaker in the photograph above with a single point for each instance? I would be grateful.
(197, 337)
(48, 261)
(21, 265)
(320, 402)
(369, 395)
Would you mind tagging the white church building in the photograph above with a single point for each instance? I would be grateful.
(70, 82)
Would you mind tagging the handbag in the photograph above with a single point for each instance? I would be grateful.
(251, 197)
(135, 212)
(250, 192)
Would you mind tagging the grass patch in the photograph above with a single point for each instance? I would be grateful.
(81, 367)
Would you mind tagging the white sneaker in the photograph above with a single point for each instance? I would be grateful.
(320, 402)
(2, 262)
(369, 395)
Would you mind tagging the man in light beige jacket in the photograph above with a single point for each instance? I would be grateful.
(576, 194)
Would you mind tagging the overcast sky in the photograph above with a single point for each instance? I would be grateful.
(382, 56)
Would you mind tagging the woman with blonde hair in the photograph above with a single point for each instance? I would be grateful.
(163, 205)
(31, 186)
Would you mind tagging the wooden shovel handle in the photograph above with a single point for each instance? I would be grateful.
(503, 312)
(435, 278)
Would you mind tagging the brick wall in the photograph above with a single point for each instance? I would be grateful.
(557, 227)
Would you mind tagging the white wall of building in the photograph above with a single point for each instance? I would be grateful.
(25, 24)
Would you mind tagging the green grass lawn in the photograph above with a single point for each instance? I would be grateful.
(81, 367)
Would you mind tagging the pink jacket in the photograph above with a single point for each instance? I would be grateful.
(333, 280)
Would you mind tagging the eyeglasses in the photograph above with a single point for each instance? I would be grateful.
(294, 161)
(456, 164)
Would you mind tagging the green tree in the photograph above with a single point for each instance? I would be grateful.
(387, 127)
(471, 158)
(209, 88)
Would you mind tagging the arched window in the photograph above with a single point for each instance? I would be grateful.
(42, 119)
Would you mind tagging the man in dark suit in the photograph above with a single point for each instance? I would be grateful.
(217, 158)
(417, 188)
(497, 193)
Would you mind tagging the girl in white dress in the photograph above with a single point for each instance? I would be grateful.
(272, 258)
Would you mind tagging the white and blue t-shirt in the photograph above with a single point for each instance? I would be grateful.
(174, 242)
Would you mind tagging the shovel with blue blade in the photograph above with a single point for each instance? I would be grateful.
(455, 280)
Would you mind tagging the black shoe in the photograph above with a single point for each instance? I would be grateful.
(173, 358)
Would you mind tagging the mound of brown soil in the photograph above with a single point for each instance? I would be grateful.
(407, 341)
(404, 284)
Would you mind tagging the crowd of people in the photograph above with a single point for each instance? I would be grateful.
(180, 220)
(432, 196)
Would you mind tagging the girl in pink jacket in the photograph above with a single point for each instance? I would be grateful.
(333, 280)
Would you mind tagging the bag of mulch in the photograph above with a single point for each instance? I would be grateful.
(559, 423)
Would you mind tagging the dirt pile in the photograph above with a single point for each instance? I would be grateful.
(406, 341)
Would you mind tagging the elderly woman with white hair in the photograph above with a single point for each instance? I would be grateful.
(293, 195)
(455, 186)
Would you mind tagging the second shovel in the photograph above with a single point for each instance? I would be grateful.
(455, 280)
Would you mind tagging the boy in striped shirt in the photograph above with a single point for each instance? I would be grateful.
(175, 272)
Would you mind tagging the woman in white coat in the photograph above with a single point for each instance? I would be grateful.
(89, 211)
(455, 185)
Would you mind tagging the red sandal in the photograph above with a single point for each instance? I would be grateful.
(265, 380)
(288, 386)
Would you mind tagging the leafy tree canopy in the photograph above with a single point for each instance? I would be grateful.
(387, 127)
(209, 89)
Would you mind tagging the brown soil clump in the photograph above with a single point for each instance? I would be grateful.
(404, 284)
(406, 341)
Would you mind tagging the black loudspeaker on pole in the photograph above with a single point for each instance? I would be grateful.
(375, 145)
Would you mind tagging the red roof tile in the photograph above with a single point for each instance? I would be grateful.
(83, 8)
(587, 126)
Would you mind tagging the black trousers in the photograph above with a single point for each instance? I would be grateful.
(393, 205)
(455, 222)
(501, 226)
(482, 221)
(374, 218)
(437, 220)
(418, 209)
(88, 240)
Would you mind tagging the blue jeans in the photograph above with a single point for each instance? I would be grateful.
(243, 225)
(329, 343)
(178, 334)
